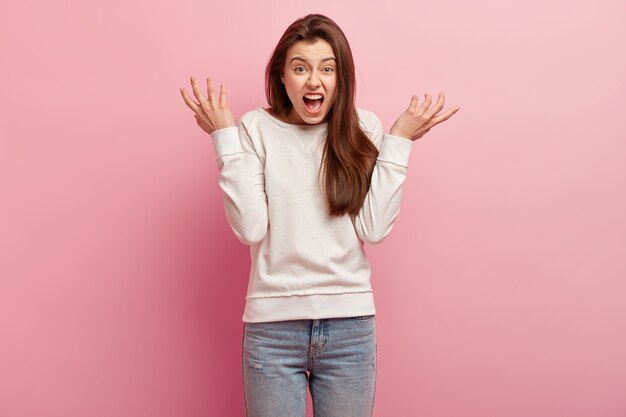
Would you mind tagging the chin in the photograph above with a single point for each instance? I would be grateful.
(314, 120)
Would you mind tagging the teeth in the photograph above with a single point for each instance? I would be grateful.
(313, 96)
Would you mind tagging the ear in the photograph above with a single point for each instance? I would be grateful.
(282, 77)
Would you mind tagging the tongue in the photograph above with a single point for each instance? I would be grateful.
(313, 105)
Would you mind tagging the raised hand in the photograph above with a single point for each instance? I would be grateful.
(416, 121)
(211, 114)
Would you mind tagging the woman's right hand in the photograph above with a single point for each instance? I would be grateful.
(211, 114)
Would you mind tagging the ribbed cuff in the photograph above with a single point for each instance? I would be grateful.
(395, 149)
(226, 141)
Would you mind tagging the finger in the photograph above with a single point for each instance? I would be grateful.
(211, 91)
(437, 107)
(198, 119)
(202, 123)
(443, 117)
(426, 104)
(196, 91)
(413, 104)
(222, 96)
(189, 101)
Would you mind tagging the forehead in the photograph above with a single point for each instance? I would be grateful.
(310, 50)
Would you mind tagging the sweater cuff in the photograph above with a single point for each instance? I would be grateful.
(226, 141)
(395, 149)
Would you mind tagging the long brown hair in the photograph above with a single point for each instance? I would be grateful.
(349, 155)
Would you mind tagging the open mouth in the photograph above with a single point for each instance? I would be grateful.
(313, 102)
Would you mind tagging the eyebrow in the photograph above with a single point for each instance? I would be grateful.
(304, 60)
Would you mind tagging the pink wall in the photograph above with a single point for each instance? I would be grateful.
(500, 291)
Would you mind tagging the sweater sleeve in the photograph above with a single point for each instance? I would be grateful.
(381, 206)
(242, 180)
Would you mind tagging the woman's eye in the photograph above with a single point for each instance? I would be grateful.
(299, 69)
(329, 69)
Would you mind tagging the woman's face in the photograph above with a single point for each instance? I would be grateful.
(310, 78)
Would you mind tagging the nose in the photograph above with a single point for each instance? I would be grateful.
(314, 79)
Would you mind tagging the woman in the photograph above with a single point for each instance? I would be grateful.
(306, 182)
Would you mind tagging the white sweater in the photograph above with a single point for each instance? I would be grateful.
(304, 263)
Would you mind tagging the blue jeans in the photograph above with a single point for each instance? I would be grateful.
(336, 357)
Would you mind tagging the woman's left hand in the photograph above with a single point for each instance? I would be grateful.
(417, 120)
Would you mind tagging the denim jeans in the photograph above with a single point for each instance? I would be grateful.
(335, 357)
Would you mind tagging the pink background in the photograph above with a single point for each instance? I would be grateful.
(501, 290)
